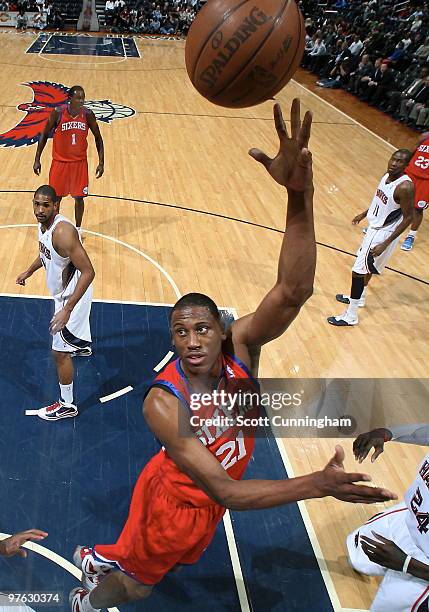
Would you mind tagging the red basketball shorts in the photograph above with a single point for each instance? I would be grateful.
(69, 178)
(161, 531)
(421, 195)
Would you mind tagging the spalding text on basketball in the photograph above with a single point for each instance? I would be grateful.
(249, 26)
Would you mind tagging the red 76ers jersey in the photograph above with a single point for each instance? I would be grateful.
(419, 164)
(70, 139)
(229, 438)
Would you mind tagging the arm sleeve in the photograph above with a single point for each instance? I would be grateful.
(411, 434)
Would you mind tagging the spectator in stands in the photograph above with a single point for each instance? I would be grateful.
(343, 56)
(170, 26)
(416, 25)
(4, 6)
(384, 83)
(398, 53)
(21, 20)
(57, 19)
(154, 25)
(356, 46)
(411, 89)
(364, 70)
(109, 11)
(410, 108)
(422, 53)
(317, 55)
(40, 20)
(366, 83)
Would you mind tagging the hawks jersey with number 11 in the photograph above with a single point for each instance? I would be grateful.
(70, 136)
(419, 164)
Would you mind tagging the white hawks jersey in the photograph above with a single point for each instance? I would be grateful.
(61, 275)
(384, 210)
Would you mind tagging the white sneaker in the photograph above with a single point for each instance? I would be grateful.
(76, 600)
(93, 572)
(56, 411)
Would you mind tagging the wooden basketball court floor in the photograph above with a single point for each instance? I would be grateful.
(181, 207)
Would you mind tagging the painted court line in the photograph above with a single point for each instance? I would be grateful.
(163, 362)
(116, 394)
(31, 412)
(235, 560)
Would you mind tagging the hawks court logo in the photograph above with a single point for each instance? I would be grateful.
(47, 96)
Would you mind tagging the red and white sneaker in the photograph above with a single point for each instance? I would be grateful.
(76, 598)
(58, 410)
(93, 572)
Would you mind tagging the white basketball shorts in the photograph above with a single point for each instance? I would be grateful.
(365, 263)
(77, 333)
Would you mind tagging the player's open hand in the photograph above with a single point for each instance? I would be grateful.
(342, 485)
(99, 171)
(371, 439)
(292, 166)
(59, 321)
(378, 250)
(37, 167)
(12, 546)
(383, 552)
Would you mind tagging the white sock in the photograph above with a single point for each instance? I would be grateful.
(352, 310)
(66, 393)
(412, 233)
(86, 606)
(362, 297)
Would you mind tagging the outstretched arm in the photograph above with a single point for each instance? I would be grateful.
(12, 546)
(376, 439)
(50, 125)
(93, 126)
(291, 168)
(169, 421)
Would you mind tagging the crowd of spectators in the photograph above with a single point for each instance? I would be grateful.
(377, 50)
(138, 16)
(44, 14)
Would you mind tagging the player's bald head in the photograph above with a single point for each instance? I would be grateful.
(75, 89)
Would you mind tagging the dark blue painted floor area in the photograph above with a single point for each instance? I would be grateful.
(101, 46)
(74, 478)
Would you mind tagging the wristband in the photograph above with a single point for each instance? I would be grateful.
(406, 564)
(387, 435)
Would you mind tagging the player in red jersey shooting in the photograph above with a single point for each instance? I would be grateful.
(182, 493)
(69, 125)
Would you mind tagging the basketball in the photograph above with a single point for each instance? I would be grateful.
(242, 52)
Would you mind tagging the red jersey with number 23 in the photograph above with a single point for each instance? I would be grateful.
(70, 137)
(419, 164)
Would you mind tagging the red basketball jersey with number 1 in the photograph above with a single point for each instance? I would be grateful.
(231, 445)
(419, 165)
(70, 137)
